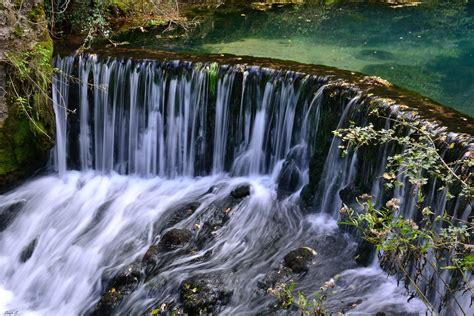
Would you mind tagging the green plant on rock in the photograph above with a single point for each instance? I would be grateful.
(435, 242)
(306, 306)
(402, 243)
(30, 84)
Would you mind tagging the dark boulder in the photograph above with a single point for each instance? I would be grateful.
(201, 294)
(289, 178)
(241, 191)
(174, 239)
(27, 252)
(298, 259)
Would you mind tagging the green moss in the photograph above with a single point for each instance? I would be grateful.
(7, 157)
(122, 6)
(22, 141)
(37, 15)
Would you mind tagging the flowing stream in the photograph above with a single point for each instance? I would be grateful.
(138, 142)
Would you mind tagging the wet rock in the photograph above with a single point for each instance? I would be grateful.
(365, 253)
(8, 214)
(349, 194)
(298, 259)
(27, 252)
(183, 212)
(306, 197)
(205, 295)
(354, 304)
(289, 177)
(122, 285)
(280, 275)
(174, 239)
(206, 256)
(241, 191)
(150, 257)
(216, 221)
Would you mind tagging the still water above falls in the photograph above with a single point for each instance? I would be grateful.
(170, 176)
(427, 48)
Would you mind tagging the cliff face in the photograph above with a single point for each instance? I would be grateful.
(26, 116)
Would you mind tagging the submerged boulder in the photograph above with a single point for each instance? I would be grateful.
(203, 294)
(27, 252)
(272, 278)
(9, 213)
(298, 259)
(241, 191)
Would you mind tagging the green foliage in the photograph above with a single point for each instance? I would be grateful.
(393, 233)
(284, 293)
(213, 70)
(418, 160)
(31, 84)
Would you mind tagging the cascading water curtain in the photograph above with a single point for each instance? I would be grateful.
(150, 118)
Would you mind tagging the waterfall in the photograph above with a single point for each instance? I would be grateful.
(147, 148)
(159, 119)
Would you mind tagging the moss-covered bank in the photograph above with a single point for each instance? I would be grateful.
(27, 118)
